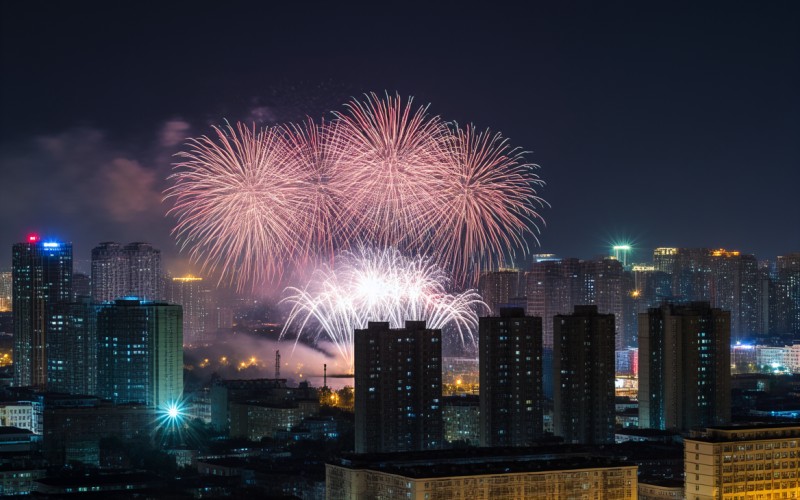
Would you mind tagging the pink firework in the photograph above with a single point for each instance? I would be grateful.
(238, 203)
(487, 203)
(253, 205)
(393, 156)
(317, 159)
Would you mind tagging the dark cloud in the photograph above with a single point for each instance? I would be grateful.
(80, 185)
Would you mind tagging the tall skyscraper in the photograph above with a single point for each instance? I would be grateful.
(583, 373)
(110, 272)
(510, 366)
(42, 277)
(189, 292)
(603, 286)
(140, 352)
(146, 281)
(130, 271)
(398, 388)
(786, 295)
(735, 287)
(553, 286)
(684, 367)
(72, 347)
(499, 287)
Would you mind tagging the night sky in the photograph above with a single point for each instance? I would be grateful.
(667, 123)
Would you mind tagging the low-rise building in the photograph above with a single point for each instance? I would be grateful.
(755, 461)
(488, 474)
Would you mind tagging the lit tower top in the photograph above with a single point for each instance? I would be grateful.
(621, 252)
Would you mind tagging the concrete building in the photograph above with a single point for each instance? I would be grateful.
(190, 293)
(461, 418)
(42, 277)
(499, 287)
(72, 347)
(140, 352)
(510, 366)
(481, 476)
(583, 374)
(398, 388)
(742, 462)
(133, 270)
(684, 367)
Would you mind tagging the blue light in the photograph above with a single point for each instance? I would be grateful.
(51, 244)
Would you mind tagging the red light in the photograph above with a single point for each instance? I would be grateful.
(33, 238)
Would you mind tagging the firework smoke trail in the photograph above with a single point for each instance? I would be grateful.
(237, 201)
(487, 203)
(393, 155)
(378, 285)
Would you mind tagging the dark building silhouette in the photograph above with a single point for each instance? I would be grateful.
(42, 277)
(72, 347)
(583, 375)
(510, 378)
(784, 310)
(684, 367)
(498, 288)
(398, 388)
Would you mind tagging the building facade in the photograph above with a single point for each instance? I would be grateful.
(398, 388)
(140, 352)
(583, 374)
(511, 477)
(133, 270)
(510, 367)
(72, 347)
(748, 462)
(684, 367)
(42, 277)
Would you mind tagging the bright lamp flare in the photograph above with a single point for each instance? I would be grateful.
(378, 285)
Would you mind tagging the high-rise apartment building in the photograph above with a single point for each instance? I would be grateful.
(42, 277)
(146, 281)
(132, 270)
(190, 293)
(604, 286)
(140, 352)
(72, 347)
(510, 366)
(785, 315)
(398, 388)
(498, 288)
(749, 461)
(583, 374)
(664, 259)
(735, 287)
(684, 367)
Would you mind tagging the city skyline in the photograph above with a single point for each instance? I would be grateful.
(636, 154)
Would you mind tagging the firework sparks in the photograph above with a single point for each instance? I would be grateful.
(378, 285)
(255, 204)
(486, 203)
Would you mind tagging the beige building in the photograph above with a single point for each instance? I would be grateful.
(661, 489)
(440, 476)
(743, 463)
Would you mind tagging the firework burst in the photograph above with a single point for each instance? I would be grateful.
(487, 203)
(253, 205)
(378, 285)
(393, 155)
